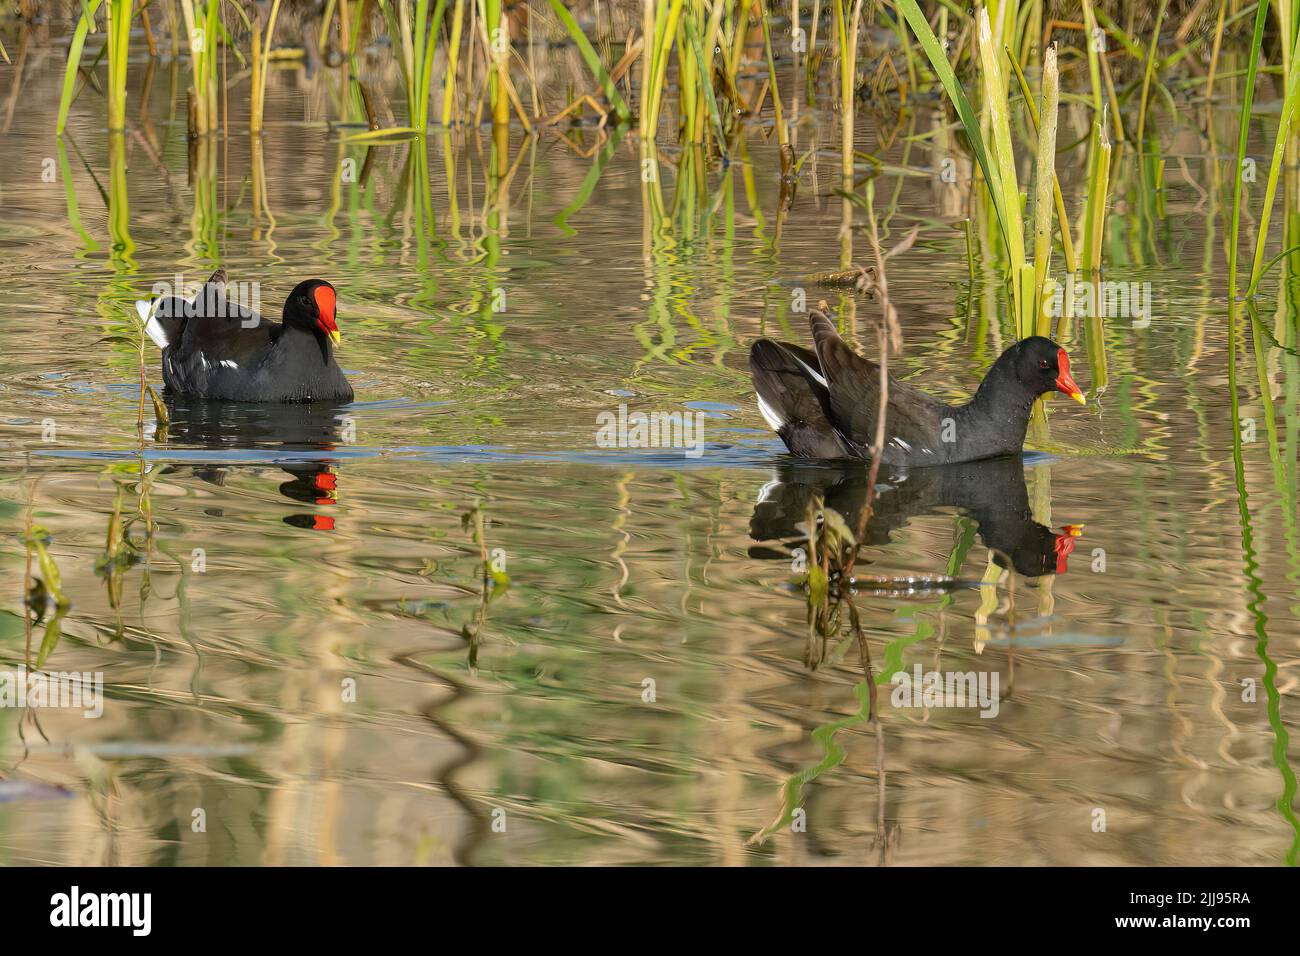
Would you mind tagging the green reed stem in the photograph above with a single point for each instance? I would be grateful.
(665, 30)
(499, 56)
(783, 134)
(1289, 105)
(846, 30)
(970, 250)
(261, 62)
(1094, 211)
(453, 62)
(995, 96)
(1094, 66)
(203, 64)
(715, 114)
(118, 40)
(74, 62)
(1243, 132)
(970, 124)
(1146, 76)
(1044, 181)
(1067, 244)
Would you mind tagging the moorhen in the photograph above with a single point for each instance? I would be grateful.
(824, 402)
(213, 348)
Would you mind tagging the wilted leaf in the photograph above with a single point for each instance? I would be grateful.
(905, 243)
(836, 525)
(53, 632)
(49, 571)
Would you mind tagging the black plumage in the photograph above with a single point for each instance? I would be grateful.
(824, 402)
(216, 349)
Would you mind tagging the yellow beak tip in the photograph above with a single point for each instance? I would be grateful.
(335, 337)
(1078, 397)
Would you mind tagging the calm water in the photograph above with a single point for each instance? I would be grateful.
(646, 689)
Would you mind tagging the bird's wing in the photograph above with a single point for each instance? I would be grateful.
(913, 419)
(225, 333)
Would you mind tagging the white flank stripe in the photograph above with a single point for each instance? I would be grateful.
(774, 421)
(812, 371)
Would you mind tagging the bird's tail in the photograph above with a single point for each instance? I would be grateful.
(164, 317)
(792, 398)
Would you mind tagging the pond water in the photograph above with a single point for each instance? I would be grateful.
(300, 667)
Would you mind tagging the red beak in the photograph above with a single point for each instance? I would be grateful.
(326, 301)
(1064, 383)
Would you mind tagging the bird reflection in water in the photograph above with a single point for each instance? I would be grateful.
(991, 492)
(296, 438)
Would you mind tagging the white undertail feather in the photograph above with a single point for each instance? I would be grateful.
(152, 327)
(774, 421)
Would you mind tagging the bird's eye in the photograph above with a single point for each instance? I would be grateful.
(306, 300)
(1043, 363)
